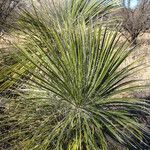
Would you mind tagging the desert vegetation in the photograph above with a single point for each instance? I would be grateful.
(70, 80)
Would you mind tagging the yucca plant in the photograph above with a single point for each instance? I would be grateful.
(73, 97)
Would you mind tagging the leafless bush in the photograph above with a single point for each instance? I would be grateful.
(135, 21)
(8, 13)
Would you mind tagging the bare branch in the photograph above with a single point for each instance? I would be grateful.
(136, 21)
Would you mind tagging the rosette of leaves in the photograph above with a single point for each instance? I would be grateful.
(72, 99)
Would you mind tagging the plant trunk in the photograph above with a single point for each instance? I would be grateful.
(134, 39)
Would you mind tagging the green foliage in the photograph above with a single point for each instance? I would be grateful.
(7, 60)
(72, 100)
(8, 66)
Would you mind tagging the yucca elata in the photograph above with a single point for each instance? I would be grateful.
(72, 99)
